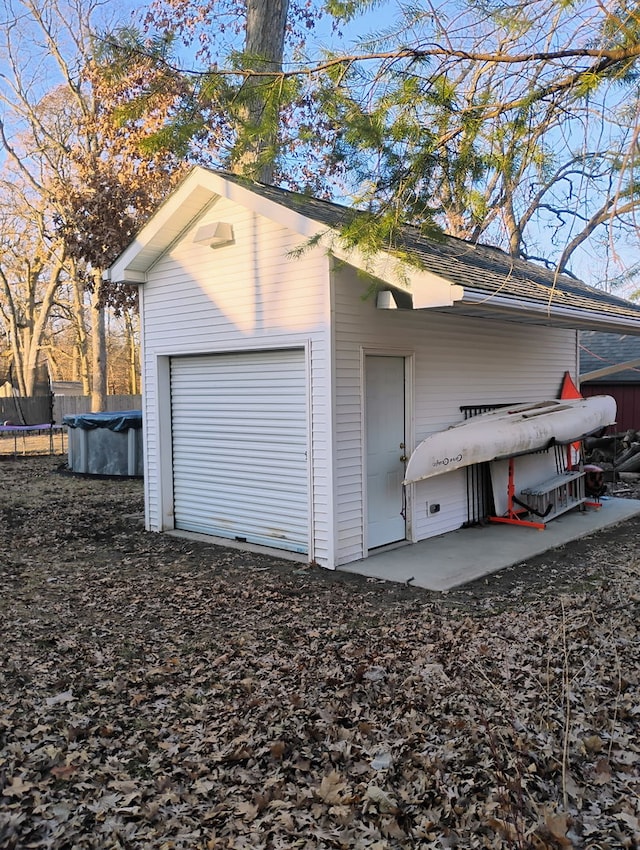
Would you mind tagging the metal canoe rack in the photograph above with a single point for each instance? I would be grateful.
(549, 498)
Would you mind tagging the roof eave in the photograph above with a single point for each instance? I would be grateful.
(549, 313)
(183, 207)
(426, 289)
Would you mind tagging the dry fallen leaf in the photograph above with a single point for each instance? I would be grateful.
(593, 743)
(278, 749)
(248, 811)
(383, 801)
(601, 772)
(59, 699)
(331, 788)
(558, 823)
(205, 697)
(17, 787)
(64, 771)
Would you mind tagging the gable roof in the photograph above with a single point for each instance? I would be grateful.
(599, 351)
(470, 279)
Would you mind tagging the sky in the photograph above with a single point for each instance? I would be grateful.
(592, 264)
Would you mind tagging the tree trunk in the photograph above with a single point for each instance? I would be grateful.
(132, 350)
(99, 348)
(11, 316)
(264, 45)
(81, 370)
(18, 364)
(39, 326)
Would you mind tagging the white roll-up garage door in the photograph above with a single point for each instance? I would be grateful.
(239, 430)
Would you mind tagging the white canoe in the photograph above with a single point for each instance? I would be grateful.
(509, 431)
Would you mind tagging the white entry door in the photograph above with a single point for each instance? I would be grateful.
(385, 435)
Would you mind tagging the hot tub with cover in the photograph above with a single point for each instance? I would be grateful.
(107, 443)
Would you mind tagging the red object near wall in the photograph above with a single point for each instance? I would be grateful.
(568, 388)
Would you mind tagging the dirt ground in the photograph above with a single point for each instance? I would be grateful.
(163, 693)
(571, 567)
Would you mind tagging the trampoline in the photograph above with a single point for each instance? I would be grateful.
(24, 419)
(19, 433)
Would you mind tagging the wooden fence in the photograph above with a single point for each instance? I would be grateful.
(67, 405)
(36, 411)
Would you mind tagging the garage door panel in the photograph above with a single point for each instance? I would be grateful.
(239, 427)
(243, 434)
(244, 475)
(234, 514)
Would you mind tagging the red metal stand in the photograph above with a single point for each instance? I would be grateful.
(597, 504)
(547, 499)
(512, 516)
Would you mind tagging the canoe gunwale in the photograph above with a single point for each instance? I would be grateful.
(480, 436)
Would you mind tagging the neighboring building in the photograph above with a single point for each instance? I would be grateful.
(604, 371)
(280, 403)
(64, 388)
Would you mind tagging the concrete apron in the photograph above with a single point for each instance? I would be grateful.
(441, 563)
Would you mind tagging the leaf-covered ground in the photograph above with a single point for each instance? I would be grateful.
(163, 693)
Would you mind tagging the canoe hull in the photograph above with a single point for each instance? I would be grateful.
(508, 432)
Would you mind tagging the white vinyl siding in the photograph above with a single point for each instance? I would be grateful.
(456, 361)
(250, 295)
(239, 427)
(270, 291)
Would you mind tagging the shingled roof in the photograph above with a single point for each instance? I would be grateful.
(492, 280)
(488, 282)
(599, 350)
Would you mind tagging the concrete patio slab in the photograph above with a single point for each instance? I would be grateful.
(459, 557)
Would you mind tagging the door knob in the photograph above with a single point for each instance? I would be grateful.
(404, 458)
